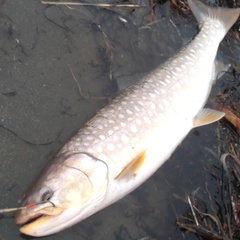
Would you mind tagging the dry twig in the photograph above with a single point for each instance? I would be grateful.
(118, 5)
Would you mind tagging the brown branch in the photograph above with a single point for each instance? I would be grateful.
(130, 5)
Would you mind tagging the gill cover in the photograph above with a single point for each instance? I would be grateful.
(73, 185)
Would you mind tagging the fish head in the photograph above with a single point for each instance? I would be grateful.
(67, 191)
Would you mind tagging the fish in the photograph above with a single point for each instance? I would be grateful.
(129, 139)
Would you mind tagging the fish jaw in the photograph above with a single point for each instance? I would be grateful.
(33, 219)
(40, 225)
(29, 213)
(75, 194)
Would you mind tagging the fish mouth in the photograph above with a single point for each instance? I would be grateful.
(31, 221)
(31, 226)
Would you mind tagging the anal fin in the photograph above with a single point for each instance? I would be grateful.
(132, 168)
(207, 116)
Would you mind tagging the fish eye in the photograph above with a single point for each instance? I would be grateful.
(46, 194)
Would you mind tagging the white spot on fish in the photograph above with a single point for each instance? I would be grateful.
(123, 124)
(163, 90)
(124, 102)
(157, 92)
(153, 106)
(119, 145)
(178, 69)
(138, 121)
(110, 121)
(89, 138)
(163, 83)
(125, 138)
(136, 108)
(133, 129)
(141, 103)
(100, 127)
(110, 132)
(102, 137)
(105, 115)
(147, 120)
(183, 66)
(121, 116)
(110, 147)
(99, 149)
(116, 128)
(152, 95)
(115, 138)
(129, 112)
(150, 113)
(212, 32)
(90, 150)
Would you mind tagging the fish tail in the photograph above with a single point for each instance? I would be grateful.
(225, 16)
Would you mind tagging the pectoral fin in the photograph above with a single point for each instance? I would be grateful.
(132, 168)
(207, 116)
(219, 69)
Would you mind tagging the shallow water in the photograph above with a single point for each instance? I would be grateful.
(41, 105)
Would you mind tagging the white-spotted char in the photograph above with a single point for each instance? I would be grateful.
(128, 140)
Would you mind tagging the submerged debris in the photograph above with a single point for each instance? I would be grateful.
(218, 215)
(182, 6)
(230, 116)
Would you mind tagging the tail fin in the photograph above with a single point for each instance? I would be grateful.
(226, 16)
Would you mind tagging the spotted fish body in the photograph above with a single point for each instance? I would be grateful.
(153, 115)
(128, 140)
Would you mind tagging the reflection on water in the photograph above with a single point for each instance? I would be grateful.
(42, 105)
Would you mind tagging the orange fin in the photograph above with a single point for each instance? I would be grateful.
(207, 116)
(132, 168)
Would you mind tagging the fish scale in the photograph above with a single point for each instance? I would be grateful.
(128, 140)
